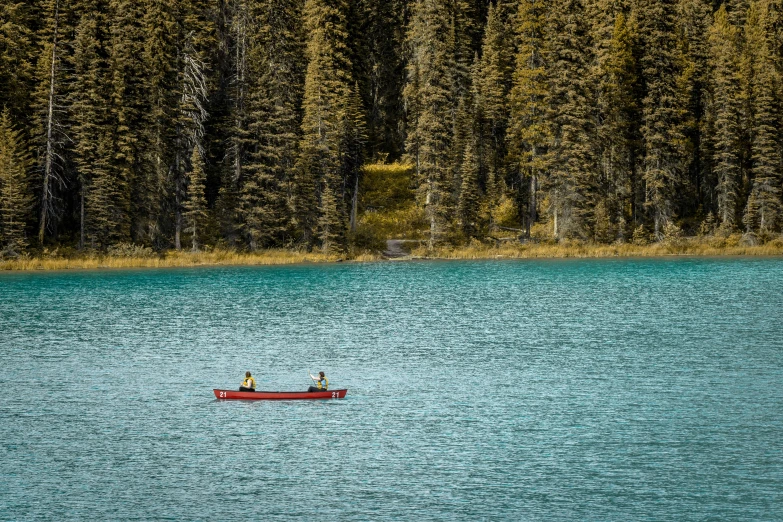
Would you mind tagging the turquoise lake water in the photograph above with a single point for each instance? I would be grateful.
(530, 390)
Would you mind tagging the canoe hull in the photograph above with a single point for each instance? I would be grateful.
(278, 396)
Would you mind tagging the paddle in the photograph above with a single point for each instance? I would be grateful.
(311, 376)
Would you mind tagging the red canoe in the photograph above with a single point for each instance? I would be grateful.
(279, 396)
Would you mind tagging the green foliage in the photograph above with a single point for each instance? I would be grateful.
(662, 111)
(571, 181)
(327, 84)
(763, 210)
(573, 120)
(387, 205)
(469, 197)
(726, 110)
(15, 199)
(615, 79)
(130, 250)
(433, 81)
(385, 188)
(195, 206)
(529, 133)
(266, 123)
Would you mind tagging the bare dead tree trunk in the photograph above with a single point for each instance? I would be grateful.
(354, 202)
(177, 204)
(46, 197)
(194, 93)
(532, 210)
(195, 241)
(81, 220)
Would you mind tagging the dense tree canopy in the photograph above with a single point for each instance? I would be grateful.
(246, 122)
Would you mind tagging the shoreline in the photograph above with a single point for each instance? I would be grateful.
(574, 250)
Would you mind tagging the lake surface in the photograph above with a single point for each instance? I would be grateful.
(525, 390)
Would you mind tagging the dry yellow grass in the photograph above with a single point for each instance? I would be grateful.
(684, 247)
(169, 259)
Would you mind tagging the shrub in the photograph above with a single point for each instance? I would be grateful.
(641, 236)
(385, 187)
(672, 234)
(130, 250)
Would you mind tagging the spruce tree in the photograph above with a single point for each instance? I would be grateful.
(15, 200)
(469, 196)
(529, 133)
(195, 204)
(693, 23)
(158, 90)
(725, 108)
(354, 138)
(125, 124)
(17, 58)
(429, 95)
(763, 210)
(662, 111)
(237, 38)
(276, 57)
(492, 84)
(571, 185)
(331, 222)
(194, 46)
(377, 36)
(88, 103)
(613, 76)
(326, 86)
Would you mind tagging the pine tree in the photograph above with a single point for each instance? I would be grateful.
(354, 138)
(331, 222)
(464, 40)
(276, 73)
(571, 185)
(469, 196)
(123, 128)
(613, 76)
(662, 111)
(529, 134)
(195, 204)
(195, 44)
(492, 83)
(377, 35)
(158, 90)
(15, 200)
(737, 11)
(693, 23)
(726, 112)
(238, 38)
(88, 102)
(429, 95)
(17, 58)
(763, 211)
(326, 86)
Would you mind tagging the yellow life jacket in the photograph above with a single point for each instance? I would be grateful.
(323, 383)
(249, 383)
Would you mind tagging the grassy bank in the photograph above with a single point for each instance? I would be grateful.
(169, 259)
(682, 247)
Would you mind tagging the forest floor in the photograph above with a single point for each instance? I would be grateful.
(400, 249)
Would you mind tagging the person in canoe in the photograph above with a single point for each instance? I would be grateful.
(321, 383)
(249, 384)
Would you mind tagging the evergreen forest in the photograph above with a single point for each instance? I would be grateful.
(180, 124)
